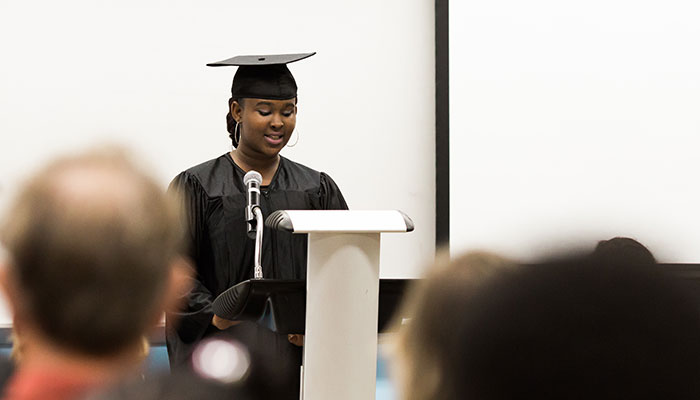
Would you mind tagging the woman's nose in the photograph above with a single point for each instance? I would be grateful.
(276, 122)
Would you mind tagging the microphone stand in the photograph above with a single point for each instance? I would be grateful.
(254, 217)
(258, 243)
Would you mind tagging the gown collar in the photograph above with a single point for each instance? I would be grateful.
(241, 172)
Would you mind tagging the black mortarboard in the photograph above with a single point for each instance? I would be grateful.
(264, 76)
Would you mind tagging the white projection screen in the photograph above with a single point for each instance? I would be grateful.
(572, 122)
(80, 73)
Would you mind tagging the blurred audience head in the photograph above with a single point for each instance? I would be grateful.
(434, 304)
(91, 242)
(222, 368)
(567, 328)
(623, 249)
(181, 384)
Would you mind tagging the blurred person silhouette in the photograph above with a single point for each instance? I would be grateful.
(623, 249)
(94, 250)
(222, 368)
(418, 367)
(7, 363)
(180, 385)
(17, 350)
(569, 328)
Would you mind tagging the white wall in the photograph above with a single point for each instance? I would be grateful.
(81, 72)
(573, 122)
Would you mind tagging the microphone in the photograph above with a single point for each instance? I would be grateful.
(252, 180)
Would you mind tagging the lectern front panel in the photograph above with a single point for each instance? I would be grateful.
(341, 316)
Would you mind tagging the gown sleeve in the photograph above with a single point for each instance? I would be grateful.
(189, 324)
(331, 197)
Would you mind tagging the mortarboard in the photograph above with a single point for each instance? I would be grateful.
(263, 76)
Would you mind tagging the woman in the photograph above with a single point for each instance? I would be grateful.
(261, 119)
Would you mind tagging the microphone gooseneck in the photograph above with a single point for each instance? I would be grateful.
(254, 217)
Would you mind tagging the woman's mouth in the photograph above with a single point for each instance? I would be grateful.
(274, 139)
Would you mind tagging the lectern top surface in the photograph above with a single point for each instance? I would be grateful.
(362, 221)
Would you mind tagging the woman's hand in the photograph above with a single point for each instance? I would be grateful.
(223, 323)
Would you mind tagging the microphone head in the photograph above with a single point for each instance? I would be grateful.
(252, 176)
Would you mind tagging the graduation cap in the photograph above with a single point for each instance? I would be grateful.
(263, 76)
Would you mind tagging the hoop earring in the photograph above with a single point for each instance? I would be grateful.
(237, 134)
(295, 142)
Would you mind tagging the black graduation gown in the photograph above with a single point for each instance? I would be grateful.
(215, 200)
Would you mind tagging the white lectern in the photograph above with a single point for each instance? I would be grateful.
(342, 285)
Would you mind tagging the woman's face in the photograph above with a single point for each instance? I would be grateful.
(266, 125)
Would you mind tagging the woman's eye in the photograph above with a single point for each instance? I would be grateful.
(287, 113)
(263, 113)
